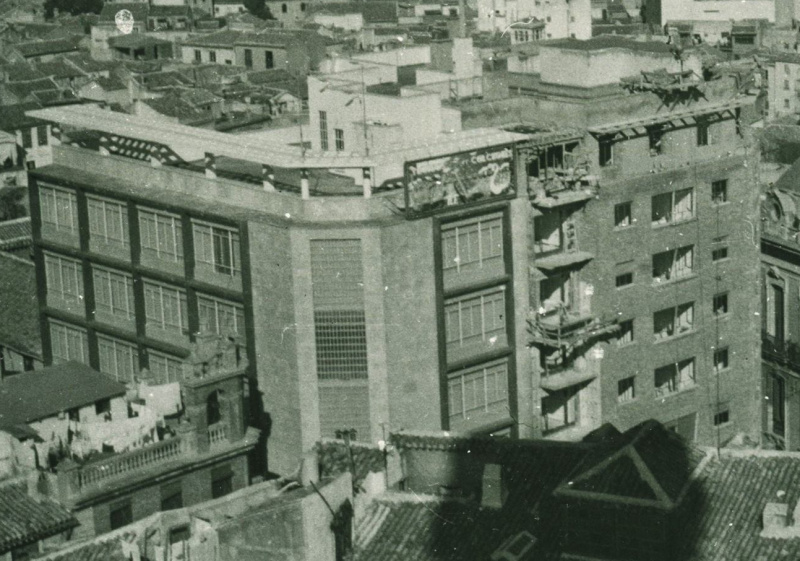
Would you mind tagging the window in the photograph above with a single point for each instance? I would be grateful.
(121, 514)
(102, 407)
(161, 235)
(284, 8)
(41, 135)
(248, 58)
(702, 134)
(775, 311)
(548, 231)
(475, 319)
(64, 279)
(478, 390)
(59, 209)
(166, 369)
(719, 254)
(786, 84)
(339, 134)
(220, 317)
(74, 414)
(622, 215)
(221, 482)
(165, 308)
(776, 404)
(675, 206)
(673, 321)
(27, 138)
(323, 130)
(113, 293)
(673, 264)
(118, 359)
(269, 60)
(218, 247)
(719, 191)
(212, 56)
(172, 496)
(472, 245)
(198, 56)
(560, 409)
(606, 152)
(625, 279)
(655, 137)
(673, 378)
(625, 334)
(786, 104)
(722, 418)
(179, 535)
(720, 304)
(108, 221)
(302, 6)
(626, 390)
(720, 360)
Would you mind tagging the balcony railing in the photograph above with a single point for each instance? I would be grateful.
(122, 464)
(779, 350)
(217, 433)
(782, 232)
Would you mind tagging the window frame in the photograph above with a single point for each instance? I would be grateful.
(339, 139)
(57, 285)
(624, 386)
(118, 348)
(126, 508)
(720, 186)
(236, 312)
(463, 308)
(498, 370)
(720, 300)
(620, 218)
(105, 207)
(159, 219)
(720, 360)
(182, 313)
(214, 254)
(671, 275)
(49, 195)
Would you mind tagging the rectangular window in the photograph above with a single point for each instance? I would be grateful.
(786, 84)
(775, 311)
(720, 304)
(719, 191)
(625, 279)
(339, 135)
(172, 496)
(722, 417)
(622, 215)
(121, 514)
(673, 264)
(161, 235)
(219, 316)
(221, 482)
(165, 368)
(719, 254)
(323, 130)
(675, 206)
(27, 138)
(41, 135)
(102, 407)
(702, 134)
(721, 360)
(113, 293)
(59, 209)
(625, 334)
(64, 279)
(560, 409)
(673, 321)
(118, 359)
(212, 56)
(165, 308)
(478, 390)
(269, 60)
(655, 137)
(476, 319)
(218, 247)
(776, 404)
(473, 245)
(673, 378)
(108, 221)
(606, 152)
(626, 390)
(198, 56)
(248, 58)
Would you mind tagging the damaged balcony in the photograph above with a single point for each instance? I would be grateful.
(555, 241)
(561, 376)
(568, 329)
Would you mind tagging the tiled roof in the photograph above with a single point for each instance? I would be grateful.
(12, 230)
(110, 84)
(609, 42)
(264, 38)
(138, 10)
(59, 69)
(168, 11)
(69, 385)
(135, 40)
(55, 97)
(167, 79)
(335, 459)
(22, 72)
(38, 48)
(19, 319)
(88, 64)
(23, 89)
(98, 549)
(25, 519)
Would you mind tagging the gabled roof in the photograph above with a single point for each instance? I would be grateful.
(59, 69)
(55, 46)
(169, 11)
(23, 89)
(139, 11)
(88, 64)
(22, 72)
(15, 229)
(13, 117)
(652, 466)
(166, 79)
(109, 547)
(69, 385)
(19, 321)
(135, 40)
(25, 519)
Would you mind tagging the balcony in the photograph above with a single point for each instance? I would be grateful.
(561, 260)
(562, 376)
(564, 187)
(786, 353)
(217, 433)
(780, 232)
(567, 328)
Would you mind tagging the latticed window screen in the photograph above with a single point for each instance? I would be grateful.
(108, 221)
(473, 244)
(338, 293)
(219, 316)
(341, 338)
(68, 343)
(118, 358)
(166, 369)
(161, 235)
(59, 209)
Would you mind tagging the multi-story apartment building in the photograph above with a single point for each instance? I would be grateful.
(783, 81)
(561, 19)
(526, 281)
(780, 279)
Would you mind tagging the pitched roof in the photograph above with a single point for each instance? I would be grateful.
(134, 40)
(110, 84)
(88, 64)
(166, 79)
(138, 10)
(790, 180)
(268, 37)
(334, 459)
(55, 46)
(22, 72)
(13, 117)
(169, 11)
(59, 69)
(13, 230)
(609, 42)
(25, 519)
(19, 321)
(24, 89)
(69, 385)
(103, 548)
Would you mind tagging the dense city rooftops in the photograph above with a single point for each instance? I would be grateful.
(25, 519)
(609, 42)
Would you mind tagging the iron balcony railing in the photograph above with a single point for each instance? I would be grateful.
(781, 351)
